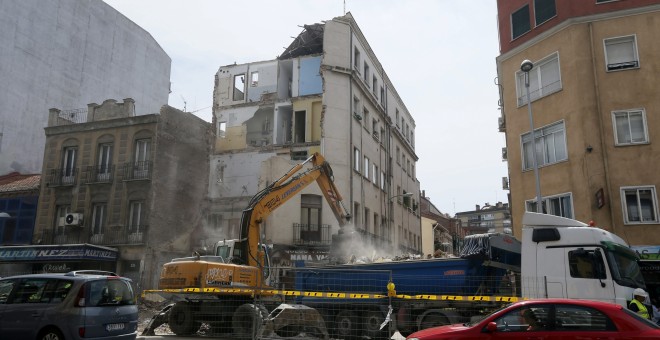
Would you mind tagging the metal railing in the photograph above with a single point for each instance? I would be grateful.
(311, 234)
(69, 117)
(98, 174)
(137, 170)
(115, 235)
(62, 177)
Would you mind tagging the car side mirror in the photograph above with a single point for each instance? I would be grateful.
(491, 327)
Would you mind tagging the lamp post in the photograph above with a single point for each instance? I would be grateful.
(527, 66)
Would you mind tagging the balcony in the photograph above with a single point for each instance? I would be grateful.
(115, 235)
(98, 174)
(137, 170)
(61, 177)
(119, 235)
(373, 239)
(311, 234)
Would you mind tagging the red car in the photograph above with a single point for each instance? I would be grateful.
(549, 319)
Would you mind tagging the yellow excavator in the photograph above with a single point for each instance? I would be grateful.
(220, 289)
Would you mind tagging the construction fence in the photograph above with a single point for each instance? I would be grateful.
(332, 303)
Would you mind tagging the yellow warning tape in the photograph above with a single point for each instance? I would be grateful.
(334, 295)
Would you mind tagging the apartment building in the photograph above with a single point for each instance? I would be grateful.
(594, 106)
(487, 219)
(328, 93)
(120, 191)
(66, 54)
(439, 230)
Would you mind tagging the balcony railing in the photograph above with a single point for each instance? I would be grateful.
(98, 174)
(62, 177)
(311, 234)
(137, 170)
(116, 235)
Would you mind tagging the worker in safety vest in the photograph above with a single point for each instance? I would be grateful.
(637, 303)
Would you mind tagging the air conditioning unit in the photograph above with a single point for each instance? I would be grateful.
(501, 125)
(505, 183)
(73, 219)
(504, 154)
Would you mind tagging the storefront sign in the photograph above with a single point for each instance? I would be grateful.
(57, 253)
(647, 252)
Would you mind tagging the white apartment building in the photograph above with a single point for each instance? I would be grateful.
(326, 93)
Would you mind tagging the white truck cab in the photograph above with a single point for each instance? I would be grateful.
(565, 258)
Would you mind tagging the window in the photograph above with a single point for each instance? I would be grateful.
(374, 174)
(544, 79)
(398, 155)
(239, 87)
(356, 159)
(367, 220)
(366, 167)
(526, 319)
(366, 73)
(98, 218)
(142, 157)
(382, 180)
(586, 264)
(403, 163)
(254, 79)
(621, 53)
(640, 205)
(558, 205)
(396, 117)
(365, 117)
(550, 146)
(374, 88)
(374, 127)
(520, 22)
(356, 106)
(574, 318)
(105, 162)
(310, 218)
(69, 165)
(630, 127)
(544, 10)
(382, 96)
(356, 59)
(135, 218)
(62, 210)
(222, 129)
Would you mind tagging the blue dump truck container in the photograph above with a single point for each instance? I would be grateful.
(484, 261)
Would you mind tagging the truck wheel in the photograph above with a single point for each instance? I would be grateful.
(433, 320)
(247, 319)
(372, 322)
(346, 325)
(181, 319)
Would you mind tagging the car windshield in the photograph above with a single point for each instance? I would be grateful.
(111, 292)
(624, 266)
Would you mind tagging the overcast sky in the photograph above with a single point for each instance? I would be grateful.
(439, 54)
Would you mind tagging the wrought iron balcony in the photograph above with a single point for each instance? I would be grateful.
(62, 177)
(118, 235)
(137, 170)
(115, 235)
(311, 234)
(98, 174)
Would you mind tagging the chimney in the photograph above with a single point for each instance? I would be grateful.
(477, 208)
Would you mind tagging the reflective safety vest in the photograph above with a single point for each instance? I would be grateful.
(641, 309)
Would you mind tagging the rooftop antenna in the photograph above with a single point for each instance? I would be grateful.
(344, 7)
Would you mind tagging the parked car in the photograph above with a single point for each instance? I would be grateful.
(550, 319)
(77, 305)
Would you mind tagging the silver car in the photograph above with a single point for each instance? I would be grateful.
(77, 305)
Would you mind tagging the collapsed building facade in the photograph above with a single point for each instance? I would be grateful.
(326, 93)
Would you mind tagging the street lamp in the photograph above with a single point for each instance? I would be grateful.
(527, 66)
(406, 194)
